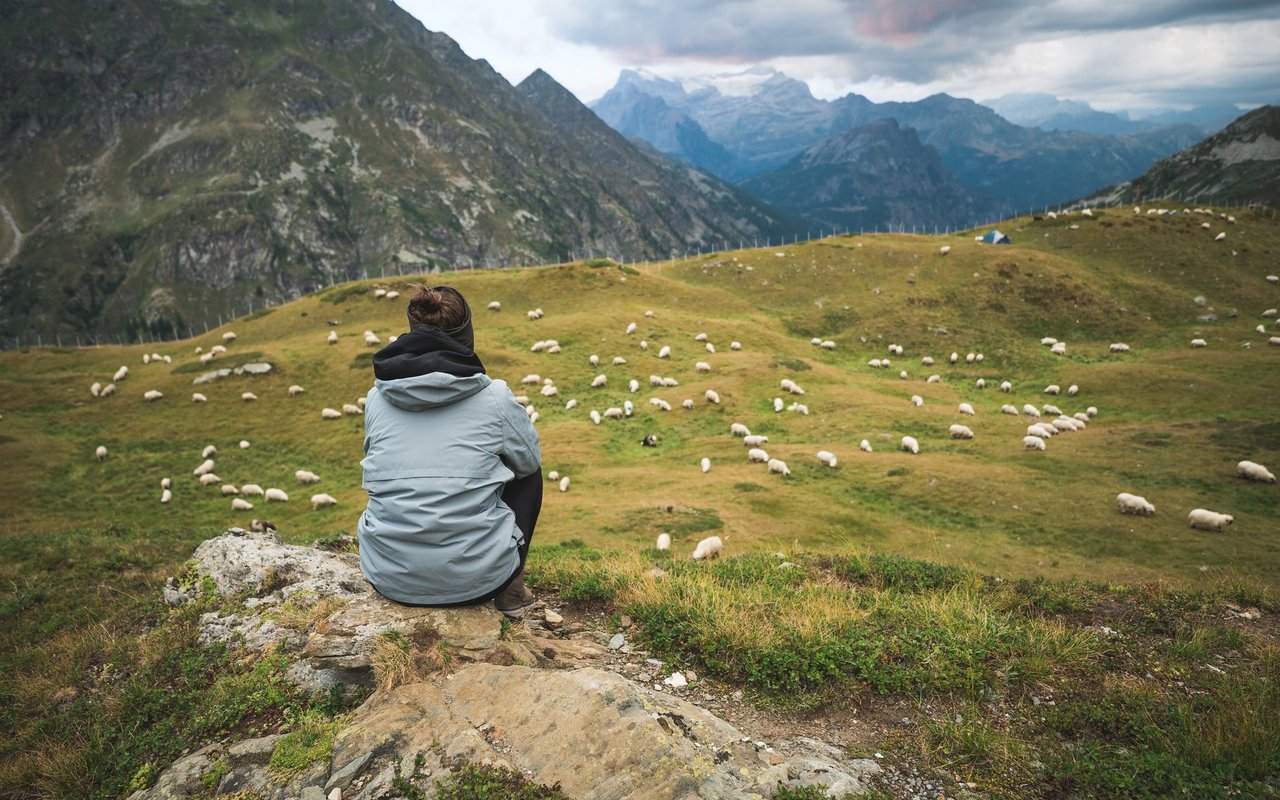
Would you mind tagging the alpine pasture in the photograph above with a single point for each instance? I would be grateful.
(1172, 421)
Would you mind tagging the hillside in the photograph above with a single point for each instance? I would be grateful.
(874, 176)
(1240, 163)
(163, 165)
(1172, 421)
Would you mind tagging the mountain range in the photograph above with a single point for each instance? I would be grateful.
(741, 125)
(1039, 110)
(165, 163)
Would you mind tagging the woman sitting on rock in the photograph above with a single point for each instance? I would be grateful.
(452, 467)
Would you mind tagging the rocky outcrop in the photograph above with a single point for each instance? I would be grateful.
(538, 704)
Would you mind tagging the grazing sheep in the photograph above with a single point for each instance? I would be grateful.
(980, 383)
(1030, 410)
(598, 381)
(660, 404)
(827, 344)
(701, 337)
(571, 405)
(251, 489)
(532, 315)
(711, 348)
(754, 440)
(95, 389)
(965, 408)
(1059, 349)
(371, 339)
(1048, 341)
(927, 361)
(564, 483)
(864, 446)
(777, 405)
(756, 455)
(108, 390)
(655, 380)
(1006, 387)
(146, 358)
(240, 504)
(1081, 417)
(123, 373)
(152, 395)
(166, 495)
(1073, 390)
(1119, 347)
(665, 352)
(209, 479)
(979, 358)
(332, 338)
(738, 429)
(330, 413)
(1039, 431)
(910, 445)
(633, 385)
(1065, 424)
(827, 457)
(946, 248)
(686, 403)
(917, 400)
(970, 358)
(631, 328)
(1199, 343)
(229, 336)
(902, 375)
(494, 305)
(1092, 411)
(101, 453)
(875, 363)
(702, 366)
(709, 547)
(379, 293)
(217, 349)
(1008, 409)
(595, 416)
(206, 358)
(799, 408)
(1270, 313)
(613, 412)
(669, 382)
(705, 464)
(933, 379)
(1250, 470)
(735, 345)
(1219, 238)
(1274, 341)
(815, 341)
(166, 483)
(551, 391)
(1053, 389)
(229, 489)
(594, 360)
(649, 313)
(961, 432)
(531, 379)
(553, 476)
(205, 468)
(209, 451)
(1206, 520)
(619, 361)
(1032, 443)
(306, 476)
(319, 501)
(352, 409)
(296, 390)
(712, 396)
(954, 357)
(1050, 408)
(664, 541)
(778, 467)
(248, 397)
(274, 495)
(1134, 504)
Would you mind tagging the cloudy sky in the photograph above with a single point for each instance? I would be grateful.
(1115, 54)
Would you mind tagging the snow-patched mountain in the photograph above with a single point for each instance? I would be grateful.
(875, 176)
(1051, 113)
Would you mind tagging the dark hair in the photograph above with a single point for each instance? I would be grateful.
(440, 306)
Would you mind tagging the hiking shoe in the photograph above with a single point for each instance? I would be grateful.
(514, 600)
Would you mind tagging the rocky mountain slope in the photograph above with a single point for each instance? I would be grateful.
(875, 176)
(765, 118)
(1240, 163)
(161, 164)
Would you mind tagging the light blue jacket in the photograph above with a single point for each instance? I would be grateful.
(439, 450)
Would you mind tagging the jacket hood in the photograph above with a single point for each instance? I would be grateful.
(427, 368)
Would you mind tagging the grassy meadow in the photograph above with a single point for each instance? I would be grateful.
(970, 571)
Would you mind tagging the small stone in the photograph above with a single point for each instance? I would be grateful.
(690, 675)
(552, 617)
(675, 680)
(624, 622)
(617, 641)
(653, 663)
(336, 794)
(737, 695)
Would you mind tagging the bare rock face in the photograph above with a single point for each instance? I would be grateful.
(526, 705)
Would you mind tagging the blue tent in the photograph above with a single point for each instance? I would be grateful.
(995, 237)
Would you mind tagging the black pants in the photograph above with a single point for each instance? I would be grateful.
(524, 497)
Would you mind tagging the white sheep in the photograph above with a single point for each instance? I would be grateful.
(686, 403)
(777, 405)
(1059, 349)
(980, 383)
(549, 391)
(669, 382)
(756, 455)
(709, 547)
(702, 366)
(1040, 431)
(101, 453)
(1048, 341)
(705, 464)
(649, 313)
(1032, 443)
(1006, 387)
(874, 363)
(1270, 313)
(209, 451)
(701, 337)
(240, 504)
(120, 374)
(352, 409)
(644, 345)
(595, 416)
(665, 352)
(778, 467)
(205, 468)
(494, 305)
(229, 336)
(664, 541)
(330, 413)
(248, 397)
(1030, 410)
(910, 445)
(946, 248)
(738, 429)
(1081, 417)
(933, 379)
(1091, 411)
(927, 361)
(152, 395)
(1254, 472)
(306, 476)
(371, 339)
(827, 344)
(274, 495)
(1053, 389)
(166, 483)
(296, 390)
(564, 483)
(712, 396)
(967, 409)
(961, 432)
(631, 328)
(633, 385)
(95, 388)
(660, 404)
(1065, 425)
(206, 358)
(229, 489)
(1073, 390)
(754, 440)
(166, 495)
(1134, 504)
(970, 358)
(209, 479)
(735, 345)
(917, 400)
(902, 375)
(1119, 347)
(531, 379)
(1206, 520)
(1219, 238)
(1008, 409)
(864, 446)
(710, 348)
(1199, 343)
(618, 361)
(332, 338)
(217, 349)
(1050, 408)
(827, 457)
(954, 357)
(379, 293)
(553, 476)
(108, 390)
(1274, 341)
(799, 408)
(251, 489)
(598, 381)
(146, 358)
(613, 412)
